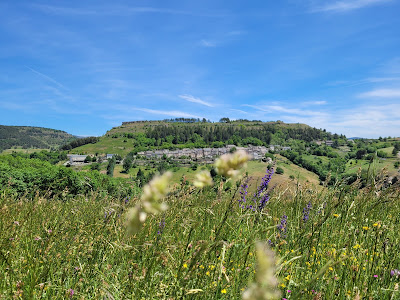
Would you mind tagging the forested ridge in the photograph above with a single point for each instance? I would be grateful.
(166, 133)
(32, 137)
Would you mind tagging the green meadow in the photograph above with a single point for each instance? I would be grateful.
(329, 242)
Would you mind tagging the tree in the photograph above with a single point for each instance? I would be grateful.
(224, 120)
(111, 166)
(279, 170)
(127, 165)
(360, 153)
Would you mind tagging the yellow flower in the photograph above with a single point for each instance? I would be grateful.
(336, 215)
(287, 278)
(356, 246)
(208, 273)
(365, 227)
(223, 291)
(185, 266)
(282, 285)
(203, 179)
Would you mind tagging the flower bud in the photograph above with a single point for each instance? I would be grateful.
(203, 179)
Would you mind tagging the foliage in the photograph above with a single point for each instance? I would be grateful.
(31, 137)
(21, 176)
(80, 142)
(111, 165)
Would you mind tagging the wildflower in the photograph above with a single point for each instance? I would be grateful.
(162, 226)
(365, 227)
(306, 212)
(153, 192)
(223, 291)
(185, 265)
(203, 179)
(289, 291)
(266, 283)
(71, 293)
(262, 196)
(16, 223)
(156, 189)
(376, 276)
(282, 227)
(336, 215)
(135, 218)
(243, 193)
(356, 246)
(395, 272)
(228, 165)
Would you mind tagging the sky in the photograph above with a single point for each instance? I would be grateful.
(86, 66)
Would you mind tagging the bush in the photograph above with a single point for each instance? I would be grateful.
(279, 170)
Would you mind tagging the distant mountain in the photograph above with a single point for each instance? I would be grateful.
(32, 137)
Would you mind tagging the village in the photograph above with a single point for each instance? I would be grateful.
(200, 155)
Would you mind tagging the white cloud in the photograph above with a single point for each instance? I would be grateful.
(381, 93)
(313, 103)
(207, 43)
(171, 113)
(362, 81)
(190, 98)
(344, 6)
(279, 108)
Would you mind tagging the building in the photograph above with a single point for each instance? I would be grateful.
(77, 159)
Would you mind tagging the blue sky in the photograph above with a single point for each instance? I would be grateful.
(86, 66)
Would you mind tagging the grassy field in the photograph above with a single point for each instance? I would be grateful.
(20, 150)
(338, 242)
(256, 169)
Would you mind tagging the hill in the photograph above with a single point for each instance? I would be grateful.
(32, 137)
(174, 134)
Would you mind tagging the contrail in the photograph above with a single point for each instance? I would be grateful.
(48, 78)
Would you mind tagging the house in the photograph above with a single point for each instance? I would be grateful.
(329, 143)
(77, 159)
(109, 156)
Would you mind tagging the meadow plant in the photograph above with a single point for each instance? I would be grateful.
(266, 284)
(203, 179)
(153, 193)
(229, 165)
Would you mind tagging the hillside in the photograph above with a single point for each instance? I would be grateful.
(32, 137)
(171, 134)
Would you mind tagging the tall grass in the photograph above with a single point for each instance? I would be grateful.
(340, 242)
